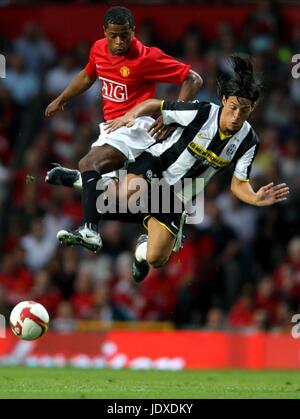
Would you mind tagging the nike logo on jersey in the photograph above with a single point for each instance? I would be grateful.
(173, 225)
(203, 137)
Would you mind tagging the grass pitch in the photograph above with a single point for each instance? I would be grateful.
(66, 383)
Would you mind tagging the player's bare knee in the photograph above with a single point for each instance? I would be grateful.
(103, 165)
(156, 260)
(86, 164)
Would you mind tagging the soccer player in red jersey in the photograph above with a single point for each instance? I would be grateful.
(129, 72)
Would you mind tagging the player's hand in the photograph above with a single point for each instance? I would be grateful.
(54, 106)
(270, 194)
(159, 131)
(122, 121)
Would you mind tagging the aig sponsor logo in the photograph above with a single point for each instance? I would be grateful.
(117, 92)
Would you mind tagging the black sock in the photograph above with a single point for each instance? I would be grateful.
(89, 198)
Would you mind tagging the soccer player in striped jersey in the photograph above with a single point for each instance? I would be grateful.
(208, 139)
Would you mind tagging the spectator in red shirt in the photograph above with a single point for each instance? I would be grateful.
(241, 314)
(82, 298)
(15, 277)
(45, 292)
(265, 298)
(287, 275)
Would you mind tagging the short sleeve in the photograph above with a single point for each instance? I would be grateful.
(162, 68)
(90, 68)
(243, 165)
(183, 113)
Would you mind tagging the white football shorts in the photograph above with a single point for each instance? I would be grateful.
(129, 141)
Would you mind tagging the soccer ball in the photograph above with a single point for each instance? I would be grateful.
(29, 320)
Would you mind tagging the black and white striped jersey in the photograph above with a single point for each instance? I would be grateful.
(196, 149)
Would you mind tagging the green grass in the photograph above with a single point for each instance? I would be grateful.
(22, 382)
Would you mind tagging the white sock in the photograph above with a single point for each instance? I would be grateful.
(141, 252)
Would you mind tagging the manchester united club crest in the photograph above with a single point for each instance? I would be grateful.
(124, 71)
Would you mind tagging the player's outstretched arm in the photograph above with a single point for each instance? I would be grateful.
(148, 107)
(188, 91)
(267, 195)
(77, 86)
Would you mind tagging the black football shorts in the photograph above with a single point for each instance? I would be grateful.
(166, 213)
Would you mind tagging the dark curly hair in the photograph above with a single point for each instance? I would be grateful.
(240, 80)
(119, 16)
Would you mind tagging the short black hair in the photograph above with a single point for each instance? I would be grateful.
(239, 80)
(119, 16)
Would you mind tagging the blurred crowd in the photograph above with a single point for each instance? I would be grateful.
(239, 269)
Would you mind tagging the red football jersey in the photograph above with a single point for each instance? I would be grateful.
(130, 79)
